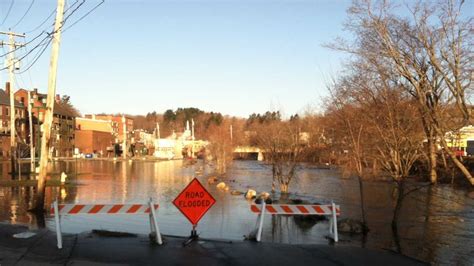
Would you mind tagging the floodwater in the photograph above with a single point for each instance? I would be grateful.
(436, 223)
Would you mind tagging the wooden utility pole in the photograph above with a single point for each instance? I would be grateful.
(124, 136)
(32, 147)
(157, 130)
(192, 138)
(11, 67)
(48, 119)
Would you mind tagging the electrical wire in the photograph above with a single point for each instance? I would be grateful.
(72, 12)
(8, 12)
(85, 15)
(42, 23)
(28, 63)
(50, 35)
(32, 40)
(29, 52)
(49, 16)
(36, 57)
(24, 15)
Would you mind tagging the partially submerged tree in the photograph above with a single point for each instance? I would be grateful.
(349, 135)
(221, 145)
(377, 121)
(283, 147)
(429, 53)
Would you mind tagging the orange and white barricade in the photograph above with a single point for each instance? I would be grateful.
(91, 209)
(332, 210)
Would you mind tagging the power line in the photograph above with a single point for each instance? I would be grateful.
(29, 52)
(24, 15)
(8, 12)
(32, 40)
(49, 16)
(42, 23)
(28, 63)
(72, 12)
(50, 36)
(36, 57)
(85, 15)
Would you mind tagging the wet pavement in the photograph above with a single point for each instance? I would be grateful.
(90, 249)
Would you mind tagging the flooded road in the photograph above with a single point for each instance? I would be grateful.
(436, 223)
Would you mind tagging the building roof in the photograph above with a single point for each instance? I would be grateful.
(94, 124)
(62, 109)
(59, 108)
(5, 99)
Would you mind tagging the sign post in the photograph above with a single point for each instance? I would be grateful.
(193, 202)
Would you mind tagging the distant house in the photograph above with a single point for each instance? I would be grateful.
(462, 141)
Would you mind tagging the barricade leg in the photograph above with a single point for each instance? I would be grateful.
(58, 225)
(334, 220)
(154, 224)
(330, 225)
(260, 225)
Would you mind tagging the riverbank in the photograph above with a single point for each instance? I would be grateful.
(88, 248)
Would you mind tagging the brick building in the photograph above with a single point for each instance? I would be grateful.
(5, 121)
(63, 128)
(117, 125)
(94, 136)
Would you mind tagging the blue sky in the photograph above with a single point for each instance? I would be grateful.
(232, 56)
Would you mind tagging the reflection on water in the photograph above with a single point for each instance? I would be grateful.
(435, 224)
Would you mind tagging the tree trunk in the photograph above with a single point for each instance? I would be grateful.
(463, 168)
(458, 163)
(445, 163)
(283, 188)
(396, 214)
(398, 204)
(432, 160)
(374, 168)
(362, 206)
(273, 177)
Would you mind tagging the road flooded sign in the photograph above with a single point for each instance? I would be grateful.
(194, 201)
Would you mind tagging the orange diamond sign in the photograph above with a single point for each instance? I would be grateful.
(194, 201)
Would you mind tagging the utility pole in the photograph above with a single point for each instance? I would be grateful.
(32, 148)
(157, 130)
(11, 67)
(124, 143)
(192, 138)
(48, 119)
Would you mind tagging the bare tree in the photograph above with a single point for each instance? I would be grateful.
(283, 149)
(430, 54)
(221, 145)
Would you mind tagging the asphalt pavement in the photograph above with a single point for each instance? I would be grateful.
(93, 249)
